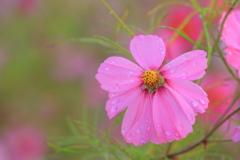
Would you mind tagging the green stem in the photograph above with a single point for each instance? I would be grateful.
(117, 18)
(204, 138)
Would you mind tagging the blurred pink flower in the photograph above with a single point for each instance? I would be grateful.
(230, 36)
(7, 7)
(236, 135)
(175, 17)
(25, 142)
(4, 154)
(72, 66)
(219, 96)
(162, 101)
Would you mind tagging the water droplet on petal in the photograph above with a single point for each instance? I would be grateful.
(138, 130)
(117, 88)
(114, 109)
(142, 141)
(131, 72)
(202, 101)
(131, 81)
(149, 128)
(179, 128)
(184, 77)
(114, 101)
(107, 69)
(195, 64)
(113, 61)
(184, 73)
(176, 134)
(157, 115)
(123, 131)
(147, 121)
(158, 126)
(168, 133)
(195, 104)
(129, 136)
(173, 70)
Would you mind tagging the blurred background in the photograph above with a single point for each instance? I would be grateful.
(47, 76)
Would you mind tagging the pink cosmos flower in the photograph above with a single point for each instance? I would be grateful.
(230, 36)
(236, 135)
(162, 102)
(25, 142)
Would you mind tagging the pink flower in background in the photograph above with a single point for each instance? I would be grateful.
(175, 17)
(230, 36)
(25, 143)
(216, 95)
(72, 66)
(162, 102)
(236, 135)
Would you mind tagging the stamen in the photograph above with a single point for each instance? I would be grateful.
(152, 79)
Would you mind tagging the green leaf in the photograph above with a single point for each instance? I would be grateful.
(185, 36)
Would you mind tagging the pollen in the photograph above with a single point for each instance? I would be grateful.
(152, 79)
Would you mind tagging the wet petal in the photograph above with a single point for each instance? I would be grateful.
(231, 31)
(118, 103)
(236, 135)
(192, 93)
(118, 74)
(148, 51)
(189, 66)
(233, 57)
(137, 126)
(172, 116)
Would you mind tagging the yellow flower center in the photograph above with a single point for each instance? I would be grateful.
(152, 79)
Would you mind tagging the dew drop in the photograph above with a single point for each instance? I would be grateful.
(195, 64)
(114, 101)
(149, 128)
(168, 133)
(158, 126)
(107, 69)
(179, 128)
(173, 70)
(147, 121)
(184, 73)
(195, 104)
(138, 130)
(113, 61)
(176, 134)
(131, 72)
(123, 131)
(129, 136)
(184, 77)
(114, 109)
(142, 141)
(131, 81)
(117, 88)
(157, 115)
(202, 101)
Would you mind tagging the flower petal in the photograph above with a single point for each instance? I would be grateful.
(236, 135)
(137, 126)
(230, 33)
(189, 66)
(148, 51)
(118, 103)
(233, 57)
(118, 74)
(172, 116)
(192, 93)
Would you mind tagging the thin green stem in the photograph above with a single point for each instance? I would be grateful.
(117, 18)
(204, 138)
